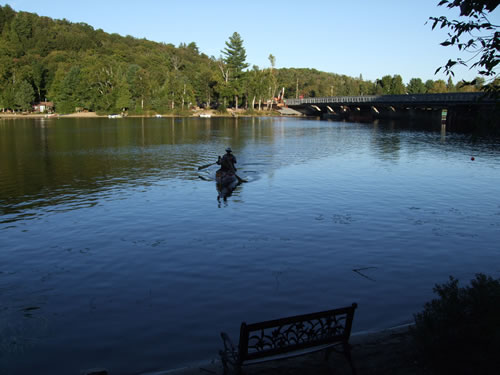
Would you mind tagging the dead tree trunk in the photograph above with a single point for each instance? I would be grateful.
(183, 94)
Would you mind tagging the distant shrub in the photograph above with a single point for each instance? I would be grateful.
(222, 109)
(459, 333)
(249, 112)
(181, 112)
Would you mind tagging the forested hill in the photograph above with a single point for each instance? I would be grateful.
(76, 66)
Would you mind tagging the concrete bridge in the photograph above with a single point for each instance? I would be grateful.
(450, 108)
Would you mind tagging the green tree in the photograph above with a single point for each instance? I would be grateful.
(416, 86)
(235, 54)
(7, 96)
(272, 60)
(205, 81)
(397, 85)
(139, 85)
(479, 82)
(160, 102)
(72, 92)
(6, 15)
(38, 77)
(438, 87)
(476, 35)
(234, 58)
(258, 84)
(450, 87)
(429, 84)
(102, 75)
(24, 95)
(463, 87)
(385, 84)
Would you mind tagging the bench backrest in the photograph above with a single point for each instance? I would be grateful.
(295, 333)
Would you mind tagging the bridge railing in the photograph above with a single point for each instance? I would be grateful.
(465, 97)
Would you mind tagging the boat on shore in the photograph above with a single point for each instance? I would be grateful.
(205, 115)
(115, 116)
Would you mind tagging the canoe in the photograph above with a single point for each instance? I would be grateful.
(225, 182)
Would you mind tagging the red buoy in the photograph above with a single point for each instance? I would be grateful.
(472, 158)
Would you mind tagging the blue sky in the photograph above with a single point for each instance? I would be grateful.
(353, 37)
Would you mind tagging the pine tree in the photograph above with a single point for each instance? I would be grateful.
(234, 58)
(416, 86)
(235, 55)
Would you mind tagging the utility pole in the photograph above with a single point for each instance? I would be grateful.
(297, 90)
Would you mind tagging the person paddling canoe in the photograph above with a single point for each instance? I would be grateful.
(226, 175)
(227, 162)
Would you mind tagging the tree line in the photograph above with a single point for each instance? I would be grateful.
(77, 67)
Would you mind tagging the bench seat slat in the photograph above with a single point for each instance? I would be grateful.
(290, 349)
(295, 353)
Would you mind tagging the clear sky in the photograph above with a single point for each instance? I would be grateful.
(352, 37)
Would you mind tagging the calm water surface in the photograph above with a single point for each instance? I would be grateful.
(115, 253)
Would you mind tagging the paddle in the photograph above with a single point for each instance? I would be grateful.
(240, 180)
(206, 166)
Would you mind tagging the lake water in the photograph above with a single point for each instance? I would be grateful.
(115, 253)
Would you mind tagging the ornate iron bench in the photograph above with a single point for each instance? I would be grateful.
(288, 337)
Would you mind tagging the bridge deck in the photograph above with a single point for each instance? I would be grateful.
(409, 99)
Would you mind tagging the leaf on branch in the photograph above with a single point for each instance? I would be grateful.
(447, 43)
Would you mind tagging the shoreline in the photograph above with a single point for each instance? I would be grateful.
(374, 352)
(230, 114)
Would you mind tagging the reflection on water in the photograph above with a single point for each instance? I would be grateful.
(113, 240)
(57, 162)
(64, 161)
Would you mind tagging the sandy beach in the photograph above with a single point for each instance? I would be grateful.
(43, 115)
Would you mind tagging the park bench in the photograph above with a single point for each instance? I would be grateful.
(290, 337)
